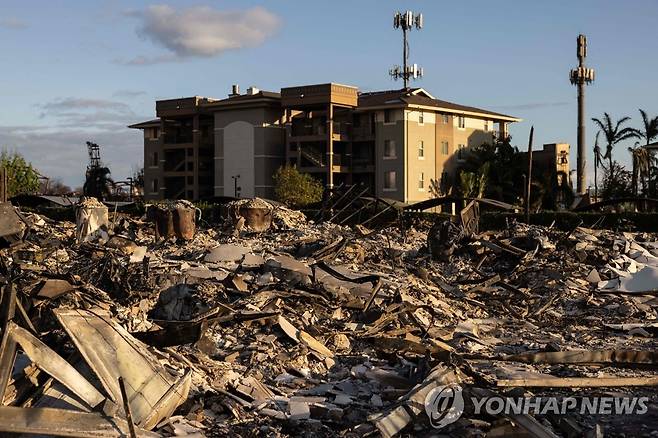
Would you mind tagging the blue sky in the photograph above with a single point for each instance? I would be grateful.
(73, 71)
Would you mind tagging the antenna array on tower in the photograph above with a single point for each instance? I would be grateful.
(406, 21)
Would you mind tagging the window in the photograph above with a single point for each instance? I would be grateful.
(154, 186)
(388, 116)
(421, 181)
(152, 133)
(421, 118)
(486, 126)
(390, 180)
(421, 150)
(461, 122)
(154, 160)
(389, 149)
(460, 151)
(444, 148)
(446, 118)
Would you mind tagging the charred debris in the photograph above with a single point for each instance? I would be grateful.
(274, 324)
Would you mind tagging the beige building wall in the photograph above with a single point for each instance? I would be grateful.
(419, 168)
(406, 131)
(238, 159)
(387, 163)
(249, 142)
(473, 133)
(445, 162)
(153, 166)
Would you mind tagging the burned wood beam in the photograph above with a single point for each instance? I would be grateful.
(62, 422)
(628, 357)
(54, 365)
(126, 408)
(579, 382)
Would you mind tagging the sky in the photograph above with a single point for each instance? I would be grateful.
(76, 71)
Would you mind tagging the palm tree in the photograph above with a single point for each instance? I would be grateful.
(614, 133)
(648, 132)
(641, 164)
(597, 163)
(650, 129)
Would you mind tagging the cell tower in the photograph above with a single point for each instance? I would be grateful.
(94, 155)
(406, 21)
(580, 77)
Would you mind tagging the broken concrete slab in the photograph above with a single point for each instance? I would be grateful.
(226, 253)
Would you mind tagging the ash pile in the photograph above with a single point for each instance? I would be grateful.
(269, 324)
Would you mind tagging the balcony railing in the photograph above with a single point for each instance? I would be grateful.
(307, 129)
(342, 128)
(363, 131)
(319, 159)
(178, 138)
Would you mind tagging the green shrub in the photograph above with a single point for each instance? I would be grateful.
(296, 189)
(21, 176)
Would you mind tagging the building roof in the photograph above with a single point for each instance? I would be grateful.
(420, 98)
(148, 124)
(414, 97)
(260, 97)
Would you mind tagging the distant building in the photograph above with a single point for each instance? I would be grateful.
(553, 162)
(394, 141)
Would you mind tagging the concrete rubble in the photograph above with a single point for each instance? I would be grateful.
(270, 324)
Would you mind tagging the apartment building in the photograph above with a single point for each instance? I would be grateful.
(395, 142)
(179, 149)
(552, 163)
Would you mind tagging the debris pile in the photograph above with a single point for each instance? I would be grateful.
(297, 328)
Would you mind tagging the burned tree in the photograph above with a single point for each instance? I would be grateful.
(98, 182)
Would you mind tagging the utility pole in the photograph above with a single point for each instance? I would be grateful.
(236, 189)
(529, 179)
(406, 21)
(580, 77)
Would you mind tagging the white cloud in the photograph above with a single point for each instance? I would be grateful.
(202, 31)
(76, 103)
(532, 105)
(12, 23)
(148, 60)
(62, 153)
(129, 94)
(57, 146)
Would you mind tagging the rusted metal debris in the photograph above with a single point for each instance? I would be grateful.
(173, 220)
(276, 324)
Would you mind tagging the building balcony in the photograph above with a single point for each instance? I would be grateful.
(309, 131)
(365, 132)
(178, 139)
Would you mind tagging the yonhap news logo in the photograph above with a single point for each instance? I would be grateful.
(445, 404)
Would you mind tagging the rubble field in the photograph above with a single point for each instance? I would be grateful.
(124, 326)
